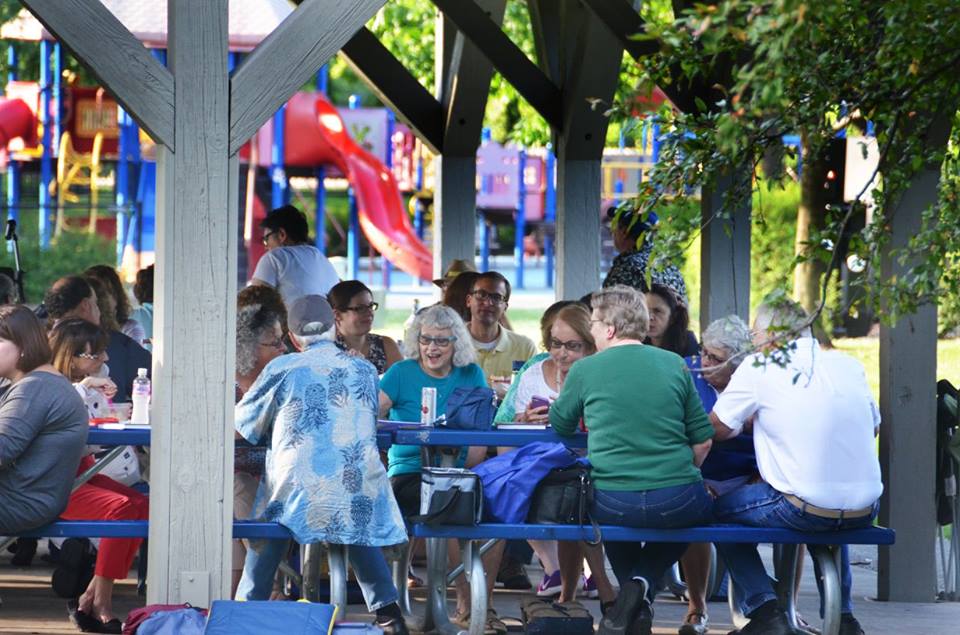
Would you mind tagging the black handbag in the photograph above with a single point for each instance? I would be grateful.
(564, 497)
(449, 496)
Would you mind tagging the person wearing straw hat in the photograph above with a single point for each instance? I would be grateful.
(457, 266)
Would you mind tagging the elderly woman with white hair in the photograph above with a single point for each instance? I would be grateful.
(730, 464)
(441, 356)
(648, 435)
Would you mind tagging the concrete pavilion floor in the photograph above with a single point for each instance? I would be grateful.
(29, 605)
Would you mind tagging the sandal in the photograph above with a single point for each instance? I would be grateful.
(88, 623)
(695, 623)
(494, 624)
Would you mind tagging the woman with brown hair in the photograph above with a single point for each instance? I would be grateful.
(353, 312)
(121, 303)
(79, 353)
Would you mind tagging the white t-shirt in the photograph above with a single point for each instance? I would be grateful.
(532, 384)
(296, 271)
(814, 430)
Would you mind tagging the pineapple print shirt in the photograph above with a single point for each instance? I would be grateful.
(317, 413)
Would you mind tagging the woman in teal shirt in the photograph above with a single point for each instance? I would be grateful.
(441, 357)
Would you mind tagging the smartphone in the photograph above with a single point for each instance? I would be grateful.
(537, 402)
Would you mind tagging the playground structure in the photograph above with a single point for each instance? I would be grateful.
(86, 132)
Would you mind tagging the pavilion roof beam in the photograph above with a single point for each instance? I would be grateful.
(288, 58)
(623, 20)
(393, 84)
(477, 26)
(138, 81)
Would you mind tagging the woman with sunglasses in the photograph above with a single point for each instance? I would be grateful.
(353, 311)
(79, 353)
(441, 356)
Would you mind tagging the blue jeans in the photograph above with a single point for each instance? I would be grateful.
(760, 505)
(665, 508)
(369, 566)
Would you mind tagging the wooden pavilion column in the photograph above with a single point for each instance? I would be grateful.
(192, 442)
(724, 255)
(576, 51)
(463, 77)
(908, 364)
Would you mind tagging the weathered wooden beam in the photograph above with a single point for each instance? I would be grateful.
(546, 26)
(191, 499)
(623, 21)
(908, 376)
(101, 43)
(288, 58)
(393, 85)
(465, 88)
(725, 251)
(508, 59)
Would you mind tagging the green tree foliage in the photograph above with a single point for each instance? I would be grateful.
(779, 66)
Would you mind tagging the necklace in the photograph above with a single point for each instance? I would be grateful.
(559, 379)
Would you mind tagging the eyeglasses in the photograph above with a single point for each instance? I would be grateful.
(492, 298)
(442, 342)
(716, 359)
(91, 356)
(362, 308)
(267, 236)
(277, 344)
(574, 346)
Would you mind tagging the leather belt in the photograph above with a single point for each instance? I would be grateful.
(823, 512)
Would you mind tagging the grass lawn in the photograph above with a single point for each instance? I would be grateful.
(866, 349)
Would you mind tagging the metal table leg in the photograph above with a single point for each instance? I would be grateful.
(399, 557)
(337, 558)
(736, 615)
(785, 570)
(828, 559)
(310, 556)
(470, 553)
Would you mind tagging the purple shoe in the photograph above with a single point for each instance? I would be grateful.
(590, 588)
(550, 585)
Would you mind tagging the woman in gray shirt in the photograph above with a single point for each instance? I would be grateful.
(43, 426)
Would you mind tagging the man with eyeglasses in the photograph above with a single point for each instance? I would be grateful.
(292, 265)
(497, 347)
(72, 296)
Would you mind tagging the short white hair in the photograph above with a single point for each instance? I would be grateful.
(732, 335)
(624, 308)
(440, 316)
(781, 319)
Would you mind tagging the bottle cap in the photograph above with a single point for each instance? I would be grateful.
(141, 372)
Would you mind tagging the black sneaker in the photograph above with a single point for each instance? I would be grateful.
(75, 569)
(513, 576)
(390, 620)
(631, 611)
(849, 625)
(766, 620)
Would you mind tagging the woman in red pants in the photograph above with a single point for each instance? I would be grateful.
(79, 352)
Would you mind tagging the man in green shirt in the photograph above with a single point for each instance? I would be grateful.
(648, 435)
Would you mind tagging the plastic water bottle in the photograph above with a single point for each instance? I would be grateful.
(141, 398)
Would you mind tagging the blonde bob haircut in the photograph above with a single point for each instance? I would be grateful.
(440, 316)
(624, 308)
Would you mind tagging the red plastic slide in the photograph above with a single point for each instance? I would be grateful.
(16, 120)
(383, 218)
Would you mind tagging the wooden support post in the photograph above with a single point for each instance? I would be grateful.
(581, 140)
(578, 226)
(908, 363)
(724, 256)
(463, 83)
(191, 500)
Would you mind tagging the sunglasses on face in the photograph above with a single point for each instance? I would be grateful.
(363, 308)
(574, 346)
(442, 342)
(492, 298)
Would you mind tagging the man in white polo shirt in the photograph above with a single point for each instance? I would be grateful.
(814, 423)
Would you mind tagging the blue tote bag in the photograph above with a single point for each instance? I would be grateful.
(510, 479)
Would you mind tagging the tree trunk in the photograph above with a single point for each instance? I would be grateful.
(811, 221)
